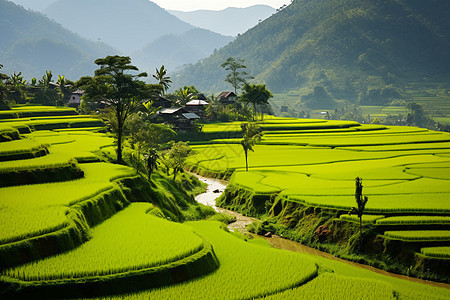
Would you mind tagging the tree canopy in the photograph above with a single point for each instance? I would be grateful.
(257, 95)
(116, 85)
(236, 78)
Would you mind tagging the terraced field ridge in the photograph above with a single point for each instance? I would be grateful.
(75, 226)
(301, 164)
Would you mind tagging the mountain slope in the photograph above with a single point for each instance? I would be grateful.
(126, 25)
(230, 21)
(174, 51)
(31, 43)
(347, 46)
(36, 5)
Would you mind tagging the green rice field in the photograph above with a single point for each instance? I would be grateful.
(319, 168)
(94, 234)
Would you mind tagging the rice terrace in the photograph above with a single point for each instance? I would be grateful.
(75, 226)
(290, 149)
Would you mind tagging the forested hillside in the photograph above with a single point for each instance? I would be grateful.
(346, 46)
(30, 43)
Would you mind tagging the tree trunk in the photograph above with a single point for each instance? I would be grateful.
(175, 172)
(254, 111)
(119, 139)
(360, 234)
(246, 162)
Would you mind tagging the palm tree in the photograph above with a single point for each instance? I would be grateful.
(251, 134)
(17, 85)
(163, 79)
(184, 95)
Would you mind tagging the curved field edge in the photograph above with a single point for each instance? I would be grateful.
(246, 270)
(85, 214)
(36, 174)
(196, 265)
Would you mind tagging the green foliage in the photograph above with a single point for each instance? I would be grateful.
(177, 155)
(162, 78)
(417, 116)
(349, 47)
(235, 77)
(251, 134)
(257, 95)
(123, 92)
(360, 201)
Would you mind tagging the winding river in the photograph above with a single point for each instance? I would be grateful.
(215, 189)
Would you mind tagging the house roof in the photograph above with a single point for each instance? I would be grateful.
(169, 111)
(197, 102)
(201, 97)
(226, 95)
(191, 116)
(79, 92)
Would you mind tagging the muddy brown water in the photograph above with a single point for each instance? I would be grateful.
(215, 189)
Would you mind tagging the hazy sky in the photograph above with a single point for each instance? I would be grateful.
(188, 5)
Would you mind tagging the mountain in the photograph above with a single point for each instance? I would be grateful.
(36, 5)
(126, 25)
(346, 46)
(30, 43)
(230, 21)
(174, 51)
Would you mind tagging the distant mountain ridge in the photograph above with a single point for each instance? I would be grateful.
(346, 46)
(174, 51)
(36, 5)
(125, 25)
(230, 21)
(30, 43)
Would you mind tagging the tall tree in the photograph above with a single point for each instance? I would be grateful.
(417, 116)
(163, 79)
(251, 134)
(122, 91)
(236, 77)
(177, 155)
(361, 202)
(257, 95)
(151, 162)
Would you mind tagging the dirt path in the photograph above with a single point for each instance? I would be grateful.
(219, 186)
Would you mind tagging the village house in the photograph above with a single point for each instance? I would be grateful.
(75, 98)
(226, 98)
(197, 106)
(180, 117)
(162, 102)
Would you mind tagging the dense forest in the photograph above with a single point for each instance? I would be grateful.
(346, 46)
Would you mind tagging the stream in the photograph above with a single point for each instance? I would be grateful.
(215, 189)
